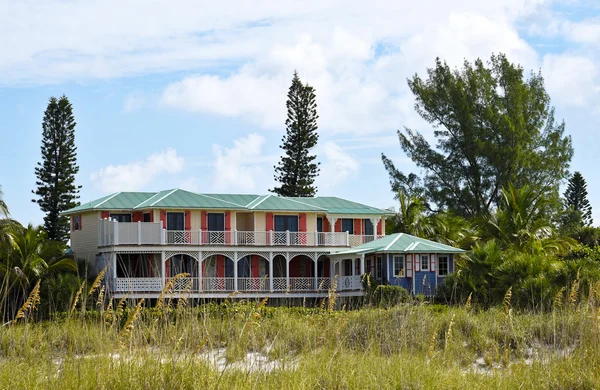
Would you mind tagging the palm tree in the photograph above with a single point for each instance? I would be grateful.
(411, 217)
(32, 256)
(522, 223)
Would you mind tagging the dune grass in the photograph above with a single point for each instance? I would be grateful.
(414, 345)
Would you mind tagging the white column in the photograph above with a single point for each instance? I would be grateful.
(271, 271)
(332, 221)
(362, 264)
(139, 232)
(116, 233)
(162, 267)
(287, 272)
(200, 271)
(235, 271)
(316, 271)
(375, 222)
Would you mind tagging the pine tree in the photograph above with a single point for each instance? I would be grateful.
(297, 170)
(56, 189)
(576, 198)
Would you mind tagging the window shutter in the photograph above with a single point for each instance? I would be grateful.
(204, 224)
(269, 222)
(163, 218)
(432, 260)
(409, 266)
(105, 215)
(417, 262)
(188, 220)
(302, 222)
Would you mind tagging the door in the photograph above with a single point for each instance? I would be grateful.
(321, 237)
(175, 221)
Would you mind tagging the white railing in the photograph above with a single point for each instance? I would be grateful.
(348, 283)
(138, 284)
(244, 284)
(152, 233)
(254, 284)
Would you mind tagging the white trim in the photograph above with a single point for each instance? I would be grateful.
(153, 203)
(393, 242)
(421, 262)
(107, 199)
(403, 266)
(262, 200)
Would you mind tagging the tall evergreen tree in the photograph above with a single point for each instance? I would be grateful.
(493, 127)
(56, 190)
(297, 170)
(576, 198)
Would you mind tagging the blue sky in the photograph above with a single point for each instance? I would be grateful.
(178, 94)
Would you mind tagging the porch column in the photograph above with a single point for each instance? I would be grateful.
(235, 271)
(271, 271)
(287, 271)
(362, 264)
(375, 222)
(316, 271)
(162, 267)
(200, 271)
(332, 221)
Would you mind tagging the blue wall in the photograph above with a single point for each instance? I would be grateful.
(425, 281)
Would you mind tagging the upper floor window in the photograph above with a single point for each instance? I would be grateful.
(368, 231)
(120, 217)
(175, 221)
(216, 222)
(286, 222)
(398, 266)
(348, 225)
(77, 222)
(424, 262)
(443, 266)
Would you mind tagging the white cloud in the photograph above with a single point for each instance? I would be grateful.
(241, 167)
(135, 175)
(571, 80)
(336, 167)
(133, 102)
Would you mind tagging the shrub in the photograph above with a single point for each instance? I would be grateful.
(388, 296)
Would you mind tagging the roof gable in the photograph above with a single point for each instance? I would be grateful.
(401, 243)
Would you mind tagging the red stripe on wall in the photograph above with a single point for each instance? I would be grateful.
(269, 222)
(338, 226)
(302, 222)
(163, 218)
(188, 220)
(105, 214)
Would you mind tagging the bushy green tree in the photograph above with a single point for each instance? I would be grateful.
(56, 189)
(493, 127)
(576, 198)
(297, 170)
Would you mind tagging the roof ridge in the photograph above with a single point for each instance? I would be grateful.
(107, 199)
(306, 204)
(393, 242)
(147, 200)
(262, 200)
(153, 203)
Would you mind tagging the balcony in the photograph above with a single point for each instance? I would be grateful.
(151, 233)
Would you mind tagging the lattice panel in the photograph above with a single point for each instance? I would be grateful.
(301, 284)
(264, 255)
(193, 254)
(279, 238)
(253, 284)
(138, 284)
(119, 250)
(228, 254)
(323, 284)
(310, 255)
(284, 254)
(279, 284)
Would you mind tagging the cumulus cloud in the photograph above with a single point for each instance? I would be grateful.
(571, 80)
(135, 175)
(241, 167)
(133, 102)
(337, 166)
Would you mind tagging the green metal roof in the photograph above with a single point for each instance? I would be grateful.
(177, 198)
(401, 243)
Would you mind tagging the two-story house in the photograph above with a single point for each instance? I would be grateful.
(249, 244)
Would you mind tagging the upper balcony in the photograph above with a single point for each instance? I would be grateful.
(151, 233)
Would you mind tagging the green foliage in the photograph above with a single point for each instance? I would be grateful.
(3, 207)
(481, 114)
(56, 189)
(296, 172)
(576, 198)
(387, 296)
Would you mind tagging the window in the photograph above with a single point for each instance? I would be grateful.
(175, 221)
(147, 217)
(398, 266)
(443, 265)
(77, 222)
(348, 225)
(286, 222)
(378, 268)
(424, 262)
(216, 222)
(368, 265)
(347, 267)
(121, 217)
(368, 227)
